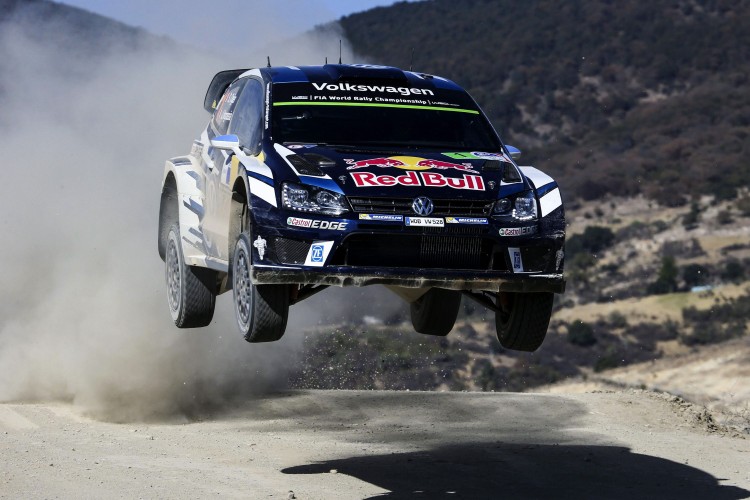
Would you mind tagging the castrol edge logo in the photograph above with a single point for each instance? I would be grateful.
(412, 178)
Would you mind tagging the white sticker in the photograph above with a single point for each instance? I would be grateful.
(260, 244)
(515, 259)
(425, 221)
(550, 201)
(382, 217)
(317, 224)
(465, 220)
(516, 231)
(318, 253)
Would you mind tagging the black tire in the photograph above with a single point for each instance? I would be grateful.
(435, 312)
(261, 310)
(191, 292)
(523, 320)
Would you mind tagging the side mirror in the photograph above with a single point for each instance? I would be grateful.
(227, 142)
(515, 153)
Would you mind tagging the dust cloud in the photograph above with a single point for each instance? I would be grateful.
(83, 314)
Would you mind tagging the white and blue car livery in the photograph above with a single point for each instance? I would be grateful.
(307, 177)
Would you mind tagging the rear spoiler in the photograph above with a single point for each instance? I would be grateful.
(217, 87)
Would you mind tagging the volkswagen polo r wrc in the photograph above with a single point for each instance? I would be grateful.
(354, 175)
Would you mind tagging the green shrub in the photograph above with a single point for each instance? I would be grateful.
(593, 240)
(581, 334)
(733, 271)
(724, 217)
(617, 320)
(608, 360)
(743, 205)
(695, 275)
(691, 219)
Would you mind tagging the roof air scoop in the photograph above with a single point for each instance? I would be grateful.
(349, 72)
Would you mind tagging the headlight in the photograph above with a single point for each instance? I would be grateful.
(312, 199)
(522, 208)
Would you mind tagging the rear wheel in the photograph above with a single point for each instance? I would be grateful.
(261, 310)
(523, 319)
(190, 290)
(435, 312)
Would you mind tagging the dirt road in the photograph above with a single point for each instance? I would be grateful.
(334, 444)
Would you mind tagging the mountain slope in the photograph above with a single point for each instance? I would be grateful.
(613, 97)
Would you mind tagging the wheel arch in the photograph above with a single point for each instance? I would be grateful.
(168, 211)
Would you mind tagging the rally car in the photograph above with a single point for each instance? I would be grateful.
(353, 175)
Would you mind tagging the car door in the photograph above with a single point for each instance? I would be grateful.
(216, 209)
(246, 123)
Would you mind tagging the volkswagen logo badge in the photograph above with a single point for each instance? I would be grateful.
(422, 206)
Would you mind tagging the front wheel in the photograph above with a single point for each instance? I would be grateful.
(435, 312)
(261, 310)
(523, 319)
(190, 290)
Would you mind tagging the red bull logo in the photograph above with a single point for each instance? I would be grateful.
(409, 163)
(425, 179)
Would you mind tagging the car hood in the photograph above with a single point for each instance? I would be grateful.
(389, 173)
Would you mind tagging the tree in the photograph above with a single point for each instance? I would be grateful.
(666, 282)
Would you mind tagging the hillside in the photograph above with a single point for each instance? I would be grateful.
(619, 98)
(78, 33)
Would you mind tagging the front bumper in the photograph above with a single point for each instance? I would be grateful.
(364, 252)
(411, 278)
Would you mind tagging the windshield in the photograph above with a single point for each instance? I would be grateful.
(378, 115)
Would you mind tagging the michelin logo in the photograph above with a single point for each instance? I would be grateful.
(465, 220)
(381, 217)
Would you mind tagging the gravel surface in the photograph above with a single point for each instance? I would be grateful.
(341, 444)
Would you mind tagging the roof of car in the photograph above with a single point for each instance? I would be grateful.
(333, 73)
(328, 74)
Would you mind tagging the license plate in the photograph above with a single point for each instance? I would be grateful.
(425, 221)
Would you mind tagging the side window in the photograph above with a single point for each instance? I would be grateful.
(225, 109)
(247, 119)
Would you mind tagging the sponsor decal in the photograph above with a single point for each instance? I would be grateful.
(409, 163)
(318, 253)
(425, 221)
(226, 116)
(515, 259)
(317, 224)
(517, 231)
(382, 217)
(479, 155)
(465, 220)
(196, 150)
(424, 179)
(348, 87)
(268, 106)
(260, 245)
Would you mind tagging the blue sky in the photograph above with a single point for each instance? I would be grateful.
(220, 24)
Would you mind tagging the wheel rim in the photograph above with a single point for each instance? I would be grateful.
(174, 279)
(242, 287)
